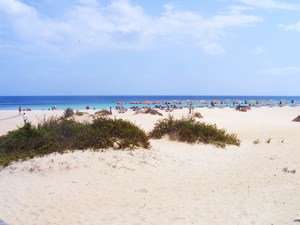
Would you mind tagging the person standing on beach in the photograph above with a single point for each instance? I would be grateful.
(20, 109)
(25, 118)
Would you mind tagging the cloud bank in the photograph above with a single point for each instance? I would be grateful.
(89, 26)
(271, 4)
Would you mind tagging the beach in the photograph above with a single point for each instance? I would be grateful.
(171, 183)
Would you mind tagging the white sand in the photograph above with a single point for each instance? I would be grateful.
(173, 183)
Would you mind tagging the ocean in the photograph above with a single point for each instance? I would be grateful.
(104, 102)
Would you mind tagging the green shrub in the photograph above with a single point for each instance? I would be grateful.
(60, 134)
(191, 131)
(68, 113)
(103, 112)
(198, 115)
(152, 112)
(78, 113)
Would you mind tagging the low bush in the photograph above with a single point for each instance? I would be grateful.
(78, 113)
(103, 112)
(152, 112)
(68, 113)
(60, 134)
(191, 131)
(198, 115)
(257, 141)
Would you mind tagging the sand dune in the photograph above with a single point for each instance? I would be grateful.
(172, 183)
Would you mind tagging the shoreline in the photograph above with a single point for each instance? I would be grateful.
(104, 102)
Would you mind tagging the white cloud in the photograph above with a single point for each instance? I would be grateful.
(15, 7)
(271, 4)
(293, 27)
(89, 26)
(258, 51)
(213, 48)
(282, 71)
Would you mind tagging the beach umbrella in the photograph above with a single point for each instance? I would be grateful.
(215, 101)
(262, 102)
(157, 102)
(134, 103)
(146, 102)
(252, 102)
(120, 103)
(202, 101)
(237, 101)
(188, 101)
(228, 101)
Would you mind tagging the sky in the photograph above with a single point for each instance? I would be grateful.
(157, 47)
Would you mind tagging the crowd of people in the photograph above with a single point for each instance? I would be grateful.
(172, 105)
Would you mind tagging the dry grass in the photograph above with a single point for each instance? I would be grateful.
(152, 112)
(286, 170)
(257, 141)
(103, 113)
(198, 115)
(268, 141)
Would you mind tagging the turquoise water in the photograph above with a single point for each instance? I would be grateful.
(104, 102)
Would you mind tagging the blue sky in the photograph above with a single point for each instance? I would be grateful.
(135, 47)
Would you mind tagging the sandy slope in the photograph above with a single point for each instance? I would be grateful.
(173, 183)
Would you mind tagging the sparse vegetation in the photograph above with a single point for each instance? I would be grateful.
(78, 113)
(257, 141)
(286, 170)
(198, 115)
(60, 134)
(190, 131)
(152, 112)
(68, 113)
(297, 119)
(103, 112)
